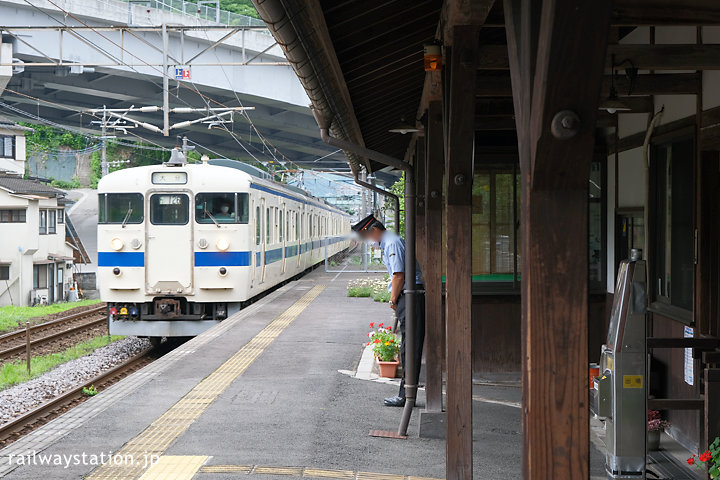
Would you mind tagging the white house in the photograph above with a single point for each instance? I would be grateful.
(35, 260)
(12, 147)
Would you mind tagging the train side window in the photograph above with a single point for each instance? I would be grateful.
(258, 226)
(267, 225)
(169, 209)
(121, 208)
(280, 224)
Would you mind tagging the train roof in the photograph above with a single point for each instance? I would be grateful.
(129, 179)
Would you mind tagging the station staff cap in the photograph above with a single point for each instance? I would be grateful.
(364, 225)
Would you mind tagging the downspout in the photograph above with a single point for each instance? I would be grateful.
(410, 260)
(379, 190)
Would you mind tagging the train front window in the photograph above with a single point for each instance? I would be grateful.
(169, 209)
(221, 208)
(123, 208)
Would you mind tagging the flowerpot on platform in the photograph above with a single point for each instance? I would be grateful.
(388, 369)
(653, 440)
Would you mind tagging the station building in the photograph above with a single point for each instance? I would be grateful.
(36, 261)
(546, 140)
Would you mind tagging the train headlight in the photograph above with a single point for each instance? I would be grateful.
(116, 244)
(222, 244)
(135, 244)
(203, 243)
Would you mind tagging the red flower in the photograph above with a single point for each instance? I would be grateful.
(704, 457)
(372, 324)
(691, 460)
(380, 325)
(376, 341)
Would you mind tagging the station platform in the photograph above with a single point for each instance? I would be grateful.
(268, 393)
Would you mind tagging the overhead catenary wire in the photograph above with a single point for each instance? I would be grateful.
(207, 99)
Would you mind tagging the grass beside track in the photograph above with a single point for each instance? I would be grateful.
(11, 316)
(16, 372)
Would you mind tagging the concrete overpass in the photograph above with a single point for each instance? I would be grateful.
(70, 56)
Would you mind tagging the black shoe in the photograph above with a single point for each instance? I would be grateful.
(396, 401)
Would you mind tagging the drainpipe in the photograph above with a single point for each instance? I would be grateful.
(410, 265)
(379, 190)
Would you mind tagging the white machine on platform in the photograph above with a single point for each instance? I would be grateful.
(183, 246)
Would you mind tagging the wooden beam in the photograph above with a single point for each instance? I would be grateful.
(655, 84)
(650, 57)
(432, 274)
(564, 72)
(667, 57)
(458, 234)
(494, 122)
(462, 12)
(497, 84)
(676, 403)
(665, 12)
(682, 342)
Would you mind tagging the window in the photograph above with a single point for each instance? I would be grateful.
(4, 272)
(267, 225)
(40, 274)
(169, 209)
(52, 225)
(221, 207)
(597, 232)
(495, 218)
(280, 224)
(12, 216)
(43, 222)
(61, 216)
(258, 227)
(7, 146)
(673, 255)
(124, 208)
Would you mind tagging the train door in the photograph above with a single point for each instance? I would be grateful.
(255, 251)
(169, 247)
(283, 232)
(265, 214)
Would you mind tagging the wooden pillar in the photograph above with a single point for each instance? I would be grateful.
(712, 413)
(434, 329)
(458, 235)
(557, 57)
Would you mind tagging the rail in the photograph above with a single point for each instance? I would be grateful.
(15, 428)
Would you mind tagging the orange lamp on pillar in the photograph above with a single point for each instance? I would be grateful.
(432, 58)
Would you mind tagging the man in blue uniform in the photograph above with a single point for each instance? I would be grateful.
(393, 247)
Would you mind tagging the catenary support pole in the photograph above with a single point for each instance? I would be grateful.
(166, 83)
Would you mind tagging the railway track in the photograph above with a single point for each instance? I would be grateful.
(13, 430)
(13, 344)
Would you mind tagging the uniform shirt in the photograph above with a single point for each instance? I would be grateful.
(393, 248)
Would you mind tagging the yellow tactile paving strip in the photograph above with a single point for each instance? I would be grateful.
(173, 467)
(305, 472)
(157, 437)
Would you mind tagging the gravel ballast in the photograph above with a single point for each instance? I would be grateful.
(18, 399)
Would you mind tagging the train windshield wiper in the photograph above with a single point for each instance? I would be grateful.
(210, 215)
(127, 215)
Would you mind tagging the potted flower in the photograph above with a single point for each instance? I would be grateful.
(386, 348)
(655, 426)
(709, 459)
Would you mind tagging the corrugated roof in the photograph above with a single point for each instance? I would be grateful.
(20, 185)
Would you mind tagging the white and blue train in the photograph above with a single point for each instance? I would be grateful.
(182, 247)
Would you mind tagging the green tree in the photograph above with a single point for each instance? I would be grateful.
(398, 188)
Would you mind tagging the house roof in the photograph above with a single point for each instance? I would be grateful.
(7, 124)
(18, 185)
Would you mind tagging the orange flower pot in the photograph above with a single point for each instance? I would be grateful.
(388, 369)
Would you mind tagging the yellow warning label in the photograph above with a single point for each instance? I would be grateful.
(632, 381)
